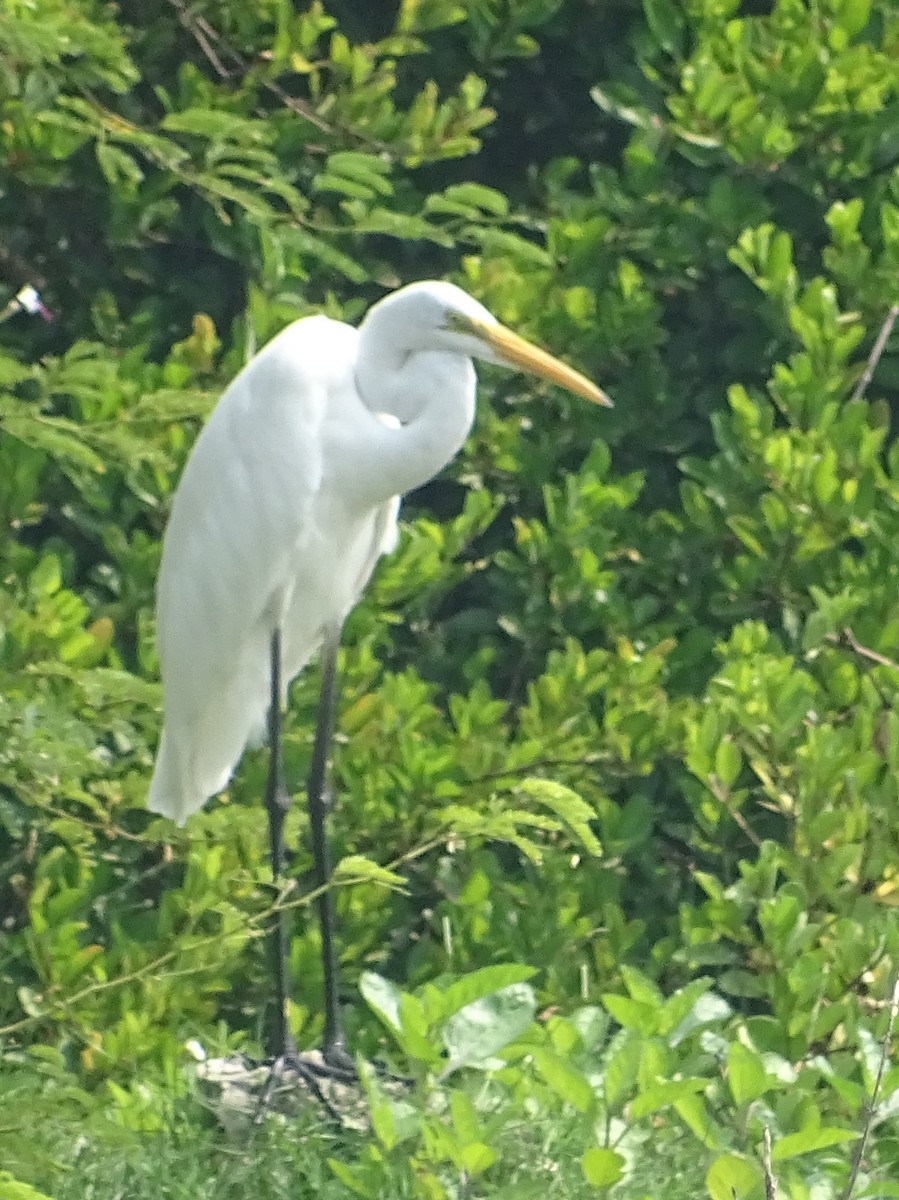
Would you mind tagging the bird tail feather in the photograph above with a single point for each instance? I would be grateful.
(170, 792)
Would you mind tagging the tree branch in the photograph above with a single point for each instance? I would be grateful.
(876, 351)
(871, 1106)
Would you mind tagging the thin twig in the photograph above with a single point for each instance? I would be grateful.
(204, 35)
(770, 1180)
(722, 795)
(849, 638)
(876, 351)
(871, 1105)
(201, 29)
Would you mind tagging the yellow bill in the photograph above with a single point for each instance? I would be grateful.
(515, 351)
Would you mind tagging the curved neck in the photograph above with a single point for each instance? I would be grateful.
(431, 393)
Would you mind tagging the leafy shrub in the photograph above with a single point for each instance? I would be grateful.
(621, 709)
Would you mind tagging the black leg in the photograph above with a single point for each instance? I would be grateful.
(334, 1047)
(277, 802)
(336, 1064)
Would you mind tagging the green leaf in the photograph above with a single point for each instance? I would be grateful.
(660, 1095)
(215, 123)
(694, 1113)
(602, 1167)
(728, 761)
(117, 166)
(731, 1177)
(666, 21)
(501, 242)
(568, 806)
(382, 997)
(565, 1079)
(324, 251)
(852, 15)
(632, 1014)
(476, 1157)
(612, 101)
(248, 199)
(59, 438)
(620, 1073)
(465, 1118)
(808, 1140)
(641, 989)
(356, 868)
(415, 1032)
(14, 1189)
(400, 225)
(351, 1177)
(477, 1032)
(366, 169)
(479, 197)
(381, 1117)
(484, 982)
(746, 1075)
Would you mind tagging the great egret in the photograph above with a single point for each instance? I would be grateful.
(288, 499)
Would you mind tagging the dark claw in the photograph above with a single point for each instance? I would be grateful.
(310, 1074)
(340, 1062)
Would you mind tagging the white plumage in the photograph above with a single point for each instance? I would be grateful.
(288, 499)
(253, 544)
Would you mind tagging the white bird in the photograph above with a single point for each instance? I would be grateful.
(288, 499)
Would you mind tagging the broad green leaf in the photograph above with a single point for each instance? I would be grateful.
(728, 761)
(365, 169)
(690, 1007)
(382, 996)
(501, 242)
(602, 1167)
(629, 110)
(61, 439)
(660, 1095)
(246, 198)
(476, 1157)
(641, 989)
(330, 181)
(466, 1122)
(484, 982)
(620, 1071)
(808, 1140)
(632, 1014)
(415, 1032)
(694, 1112)
(746, 1075)
(852, 15)
(565, 1079)
(731, 1177)
(477, 1032)
(15, 1189)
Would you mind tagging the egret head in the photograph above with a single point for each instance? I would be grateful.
(440, 316)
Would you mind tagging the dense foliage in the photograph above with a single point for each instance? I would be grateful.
(622, 709)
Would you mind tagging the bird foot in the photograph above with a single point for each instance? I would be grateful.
(243, 1090)
(324, 1075)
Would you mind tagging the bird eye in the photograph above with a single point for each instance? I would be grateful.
(457, 322)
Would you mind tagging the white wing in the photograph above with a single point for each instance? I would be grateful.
(257, 538)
